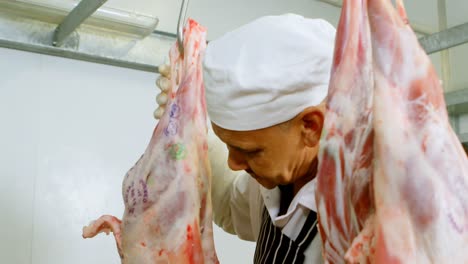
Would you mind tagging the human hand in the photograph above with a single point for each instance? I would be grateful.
(163, 82)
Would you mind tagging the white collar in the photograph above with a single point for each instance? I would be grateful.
(305, 197)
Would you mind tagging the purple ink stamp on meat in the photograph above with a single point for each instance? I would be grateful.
(171, 128)
(175, 110)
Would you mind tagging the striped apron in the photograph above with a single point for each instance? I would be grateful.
(275, 247)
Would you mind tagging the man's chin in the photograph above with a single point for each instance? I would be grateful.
(270, 186)
(267, 184)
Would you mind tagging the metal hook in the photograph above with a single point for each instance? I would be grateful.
(180, 25)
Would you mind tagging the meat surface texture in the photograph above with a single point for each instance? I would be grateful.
(421, 169)
(396, 192)
(343, 182)
(167, 193)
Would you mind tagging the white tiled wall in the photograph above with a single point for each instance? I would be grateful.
(69, 131)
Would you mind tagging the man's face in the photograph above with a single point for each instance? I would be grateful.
(277, 155)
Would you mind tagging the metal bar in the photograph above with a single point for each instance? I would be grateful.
(79, 14)
(56, 51)
(445, 39)
(164, 33)
(457, 102)
(117, 21)
(180, 25)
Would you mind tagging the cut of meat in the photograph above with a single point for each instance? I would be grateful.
(343, 184)
(421, 173)
(167, 194)
(396, 192)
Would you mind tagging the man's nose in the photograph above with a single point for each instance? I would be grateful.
(236, 161)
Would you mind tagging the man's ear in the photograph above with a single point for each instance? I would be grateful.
(311, 125)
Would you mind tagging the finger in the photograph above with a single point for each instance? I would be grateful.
(163, 83)
(164, 70)
(158, 112)
(161, 99)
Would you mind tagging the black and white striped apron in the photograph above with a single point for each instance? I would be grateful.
(275, 247)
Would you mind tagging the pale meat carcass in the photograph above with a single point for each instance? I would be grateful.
(343, 194)
(167, 194)
(418, 212)
(421, 169)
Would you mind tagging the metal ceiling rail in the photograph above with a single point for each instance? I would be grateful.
(445, 39)
(457, 102)
(79, 14)
(60, 52)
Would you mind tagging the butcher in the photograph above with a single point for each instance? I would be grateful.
(266, 84)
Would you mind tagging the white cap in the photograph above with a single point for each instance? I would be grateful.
(268, 71)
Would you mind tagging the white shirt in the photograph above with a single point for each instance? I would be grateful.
(238, 202)
(297, 210)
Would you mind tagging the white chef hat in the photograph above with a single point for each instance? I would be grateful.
(267, 71)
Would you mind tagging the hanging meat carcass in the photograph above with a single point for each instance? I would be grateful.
(421, 170)
(417, 181)
(167, 194)
(343, 186)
